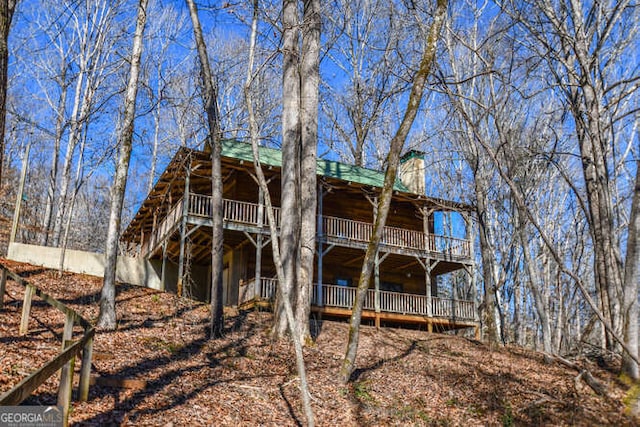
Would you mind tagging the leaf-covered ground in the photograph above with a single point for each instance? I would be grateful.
(405, 377)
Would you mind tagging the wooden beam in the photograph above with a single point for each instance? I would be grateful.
(67, 333)
(66, 385)
(26, 309)
(85, 371)
(396, 317)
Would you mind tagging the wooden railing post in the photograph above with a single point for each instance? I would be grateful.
(3, 285)
(85, 371)
(66, 386)
(67, 333)
(26, 308)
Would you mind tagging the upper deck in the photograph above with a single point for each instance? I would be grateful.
(252, 218)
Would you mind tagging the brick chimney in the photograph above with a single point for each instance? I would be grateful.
(412, 171)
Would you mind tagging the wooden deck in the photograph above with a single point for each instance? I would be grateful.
(382, 307)
(252, 218)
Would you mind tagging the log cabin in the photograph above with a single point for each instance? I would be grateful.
(172, 229)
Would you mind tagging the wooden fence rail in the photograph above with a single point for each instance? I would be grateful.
(64, 361)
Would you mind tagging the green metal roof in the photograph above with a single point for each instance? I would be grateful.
(326, 168)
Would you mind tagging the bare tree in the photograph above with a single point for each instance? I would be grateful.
(584, 46)
(284, 289)
(631, 280)
(210, 96)
(310, 81)
(290, 190)
(91, 25)
(107, 318)
(364, 38)
(163, 73)
(7, 7)
(384, 202)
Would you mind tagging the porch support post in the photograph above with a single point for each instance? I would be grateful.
(163, 271)
(428, 239)
(259, 238)
(320, 235)
(427, 284)
(376, 268)
(471, 277)
(376, 282)
(183, 228)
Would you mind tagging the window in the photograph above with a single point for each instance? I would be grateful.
(344, 281)
(389, 286)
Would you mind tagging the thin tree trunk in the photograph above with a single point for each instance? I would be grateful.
(282, 289)
(71, 207)
(310, 80)
(107, 317)
(384, 202)
(7, 7)
(53, 174)
(215, 137)
(486, 254)
(154, 152)
(539, 298)
(631, 284)
(290, 210)
(68, 158)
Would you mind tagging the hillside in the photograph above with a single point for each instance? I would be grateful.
(175, 376)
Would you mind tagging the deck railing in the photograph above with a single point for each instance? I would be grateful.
(336, 228)
(166, 227)
(267, 290)
(389, 302)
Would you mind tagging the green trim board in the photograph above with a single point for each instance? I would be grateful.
(327, 168)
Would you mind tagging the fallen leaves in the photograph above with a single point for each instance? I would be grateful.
(403, 376)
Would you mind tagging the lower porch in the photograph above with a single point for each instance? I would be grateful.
(382, 307)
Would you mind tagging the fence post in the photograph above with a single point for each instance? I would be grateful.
(66, 386)
(85, 371)
(67, 333)
(26, 309)
(3, 285)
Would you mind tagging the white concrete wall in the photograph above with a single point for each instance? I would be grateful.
(130, 270)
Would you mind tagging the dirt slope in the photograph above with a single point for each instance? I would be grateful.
(405, 377)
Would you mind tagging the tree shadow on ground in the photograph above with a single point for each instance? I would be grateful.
(216, 356)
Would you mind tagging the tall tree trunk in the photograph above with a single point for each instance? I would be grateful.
(384, 202)
(539, 298)
(154, 151)
(631, 284)
(290, 210)
(215, 139)
(310, 80)
(74, 135)
(71, 207)
(262, 182)
(489, 318)
(107, 317)
(53, 174)
(7, 7)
